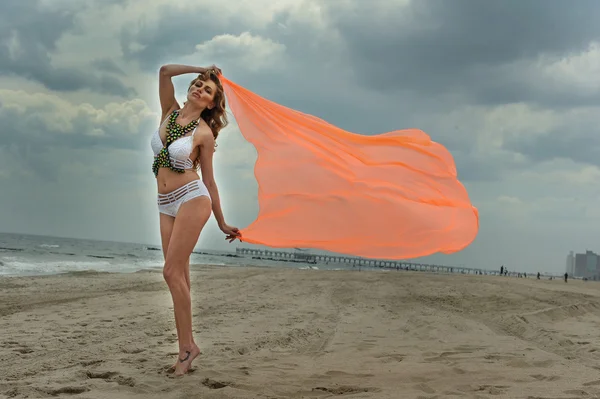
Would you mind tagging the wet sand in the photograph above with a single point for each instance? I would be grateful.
(288, 333)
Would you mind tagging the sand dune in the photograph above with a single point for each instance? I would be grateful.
(286, 333)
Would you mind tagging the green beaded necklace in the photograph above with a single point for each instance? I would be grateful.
(174, 131)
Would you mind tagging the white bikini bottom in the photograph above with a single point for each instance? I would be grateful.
(169, 203)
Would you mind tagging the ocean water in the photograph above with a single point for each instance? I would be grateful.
(28, 255)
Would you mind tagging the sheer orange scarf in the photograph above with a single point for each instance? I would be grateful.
(392, 196)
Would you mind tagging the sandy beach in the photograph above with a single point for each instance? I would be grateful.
(289, 333)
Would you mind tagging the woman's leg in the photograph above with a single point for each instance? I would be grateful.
(191, 218)
(166, 228)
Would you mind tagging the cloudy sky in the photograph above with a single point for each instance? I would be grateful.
(510, 87)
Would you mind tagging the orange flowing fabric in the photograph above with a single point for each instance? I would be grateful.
(390, 196)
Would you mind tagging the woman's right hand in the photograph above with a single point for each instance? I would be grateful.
(215, 68)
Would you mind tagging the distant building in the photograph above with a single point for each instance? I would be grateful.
(570, 264)
(587, 265)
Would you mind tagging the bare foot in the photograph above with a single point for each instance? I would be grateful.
(186, 357)
(173, 367)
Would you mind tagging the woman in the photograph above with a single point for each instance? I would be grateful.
(184, 142)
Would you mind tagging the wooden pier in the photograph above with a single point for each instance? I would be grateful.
(299, 256)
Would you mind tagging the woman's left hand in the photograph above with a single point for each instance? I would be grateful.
(231, 232)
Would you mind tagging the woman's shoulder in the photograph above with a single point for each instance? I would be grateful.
(203, 133)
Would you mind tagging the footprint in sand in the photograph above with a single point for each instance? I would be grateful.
(133, 351)
(518, 364)
(577, 392)
(543, 363)
(111, 376)
(104, 375)
(424, 388)
(469, 348)
(540, 377)
(591, 383)
(338, 373)
(365, 346)
(286, 368)
(87, 363)
(66, 390)
(489, 389)
(497, 356)
(446, 356)
(345, 390)
(391, 357)
(214, 384)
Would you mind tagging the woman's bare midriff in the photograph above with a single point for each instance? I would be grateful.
(168, 180)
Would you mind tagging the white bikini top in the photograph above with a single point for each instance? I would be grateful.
(179, 150)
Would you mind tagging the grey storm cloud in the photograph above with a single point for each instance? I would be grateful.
(473, 168)
(24, 126)
(468, 46)
(30, 30)
(480, 52)
(580, 144)
(44, 147)
(108, 65)
(409, 53)
(177, 32)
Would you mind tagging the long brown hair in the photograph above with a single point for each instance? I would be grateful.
(216, 117)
